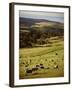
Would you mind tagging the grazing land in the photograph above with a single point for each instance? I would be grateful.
(51, 58)
(41, 53)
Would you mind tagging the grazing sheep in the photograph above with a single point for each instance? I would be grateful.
(56, 53)
(41, 64)
(47, 68)
(26, 65)
(23, 63)
(42, 67)
(26, 62)
(28, 71)
(37, 65)
(52, 60)
(20, 56)
(34, 69)
(55, 66)
(55, 63)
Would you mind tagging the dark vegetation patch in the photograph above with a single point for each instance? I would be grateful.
(34, 35)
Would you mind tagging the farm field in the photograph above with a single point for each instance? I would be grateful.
(44, 61)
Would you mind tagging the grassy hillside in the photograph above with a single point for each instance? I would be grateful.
(51, 58)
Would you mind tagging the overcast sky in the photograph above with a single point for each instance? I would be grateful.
(53, 16)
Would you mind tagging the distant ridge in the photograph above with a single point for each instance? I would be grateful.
(31, 21)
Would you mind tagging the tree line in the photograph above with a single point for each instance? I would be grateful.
(28, 38)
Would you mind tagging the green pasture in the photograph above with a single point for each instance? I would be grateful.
(50, 56)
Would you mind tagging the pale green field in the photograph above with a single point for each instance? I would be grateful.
(52, 58)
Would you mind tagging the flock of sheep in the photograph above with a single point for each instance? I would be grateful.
(39, 66)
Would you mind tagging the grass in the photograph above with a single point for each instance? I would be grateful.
(48, 56)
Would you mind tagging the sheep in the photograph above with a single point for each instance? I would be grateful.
(26, 65)
(41, 64)
(55, 63)
(45, 59)
(28, 71)
(37, 65)
(34, 69)
(42, 67)
(47, 68)
(52, 60)
(56, 53)
(23, 63)
(55, 66)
